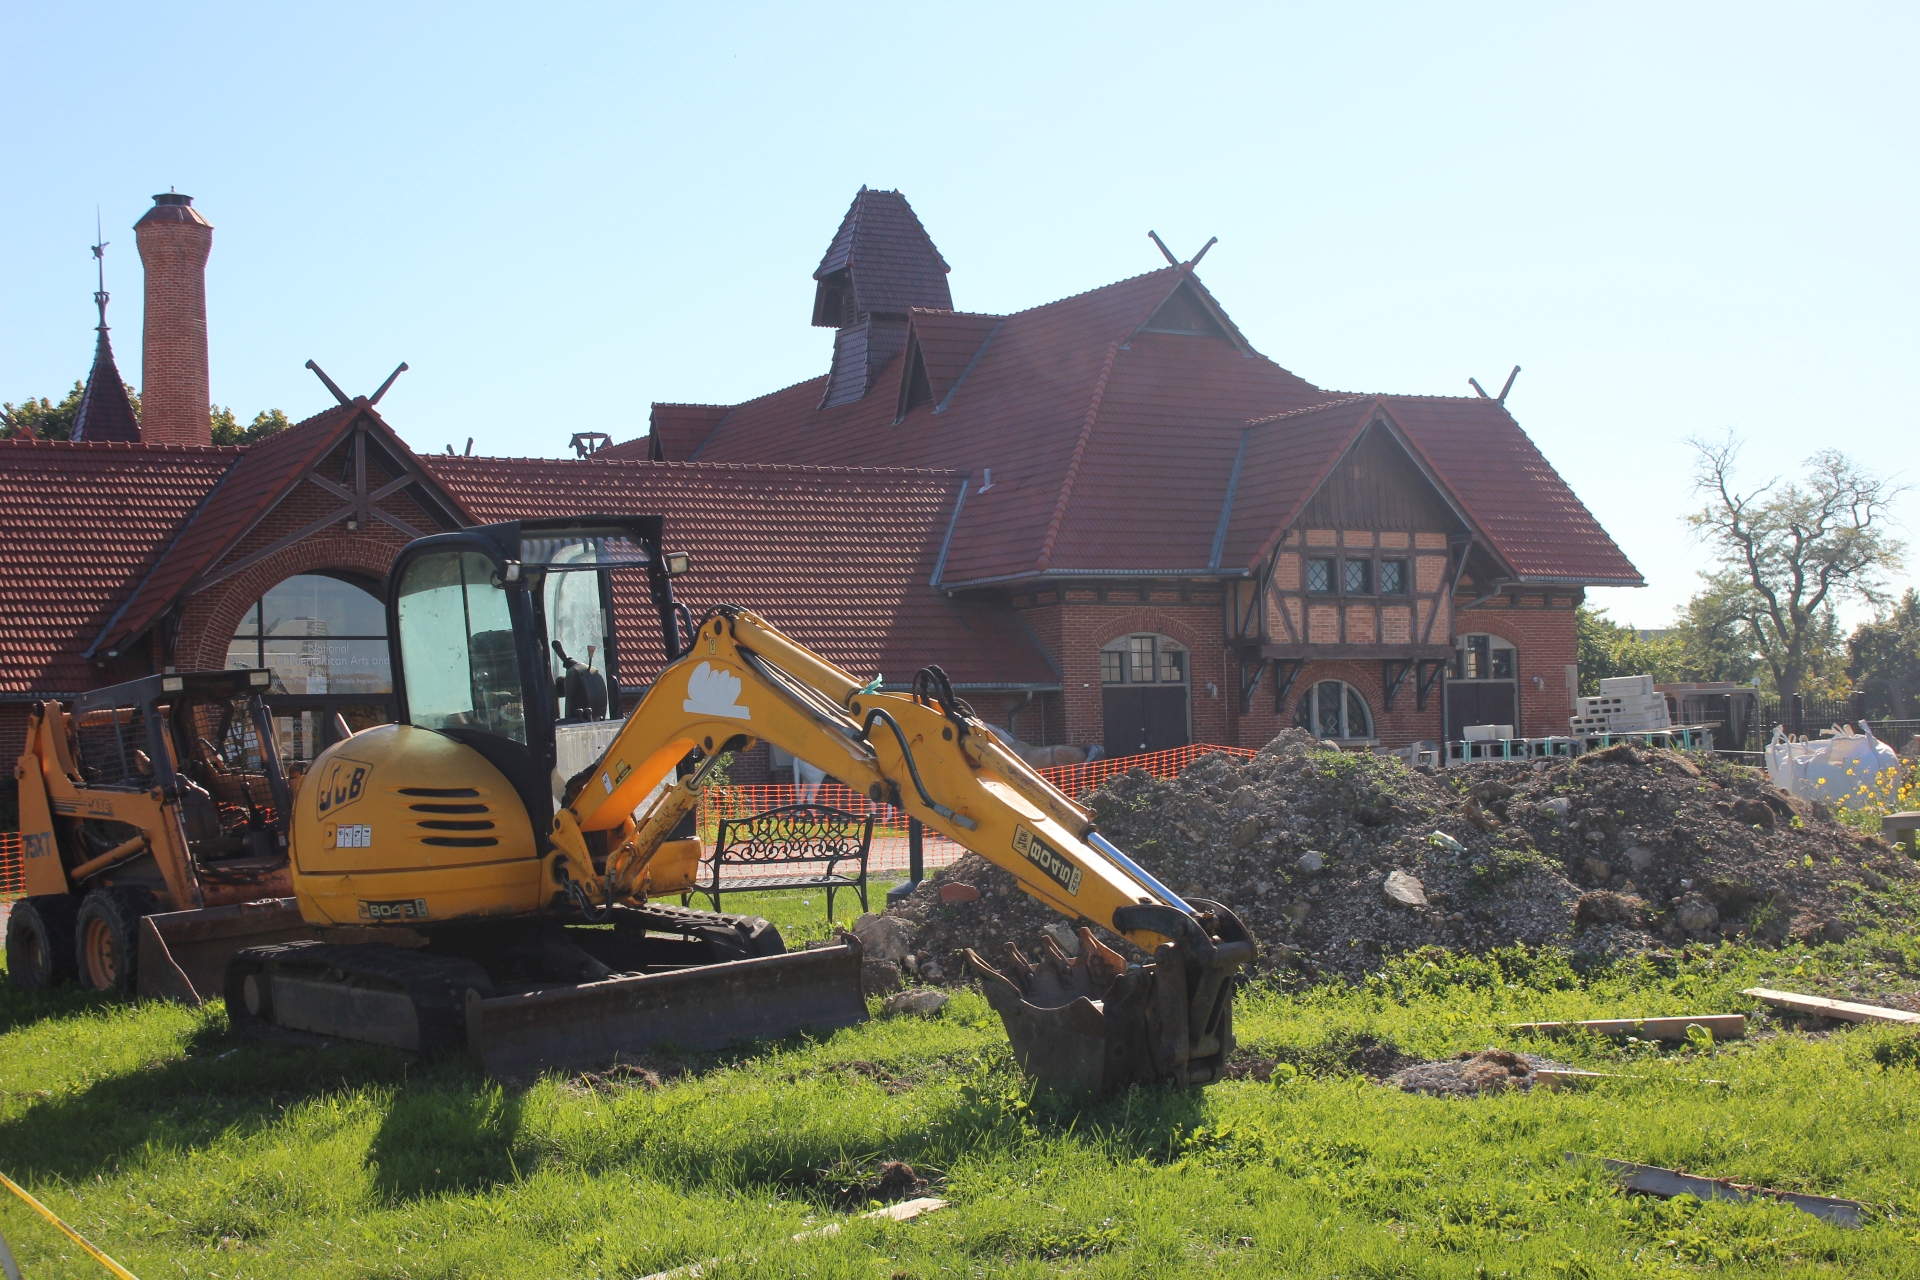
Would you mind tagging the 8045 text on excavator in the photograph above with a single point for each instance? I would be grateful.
(494, 872)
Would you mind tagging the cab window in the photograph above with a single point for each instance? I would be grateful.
(457, 649)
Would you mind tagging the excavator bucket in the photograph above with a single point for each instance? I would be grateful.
(1092, 1024)
(707, 1007)
(183, 954)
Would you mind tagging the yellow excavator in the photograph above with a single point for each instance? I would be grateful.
(487, 874)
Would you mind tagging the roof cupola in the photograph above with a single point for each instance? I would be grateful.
(881, 265)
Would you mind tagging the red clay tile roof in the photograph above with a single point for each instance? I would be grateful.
(1073, 378)
(1497, 475)
(840, 558)
(251, 489)
(888, 254)
(267, 473)
(84, 521)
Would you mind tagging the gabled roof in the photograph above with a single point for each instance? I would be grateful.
(84, 521)
(677, 430)
(1526, 511)
(1286, 458)
(842, 558)
(947, 342)
(1472, 451)
(105, 413)
(888, 256)
(265, 475)
(1109, 447)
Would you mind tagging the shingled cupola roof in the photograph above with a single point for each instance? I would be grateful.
(881, 266)
(105, 412)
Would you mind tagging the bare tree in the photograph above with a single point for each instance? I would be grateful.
(1796, 550)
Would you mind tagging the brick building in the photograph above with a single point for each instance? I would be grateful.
(1208, 547)
(1109, 518)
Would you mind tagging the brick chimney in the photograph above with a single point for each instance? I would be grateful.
(175, 399)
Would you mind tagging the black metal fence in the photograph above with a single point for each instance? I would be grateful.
(1803, 716)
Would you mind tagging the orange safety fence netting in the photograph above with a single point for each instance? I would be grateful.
(889, 850)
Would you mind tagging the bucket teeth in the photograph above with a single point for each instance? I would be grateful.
(1092, 1023)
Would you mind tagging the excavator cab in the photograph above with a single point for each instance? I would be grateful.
(503, 640)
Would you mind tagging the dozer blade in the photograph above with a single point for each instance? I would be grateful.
(1092, 1024)
(183, 954)
(698, 1008)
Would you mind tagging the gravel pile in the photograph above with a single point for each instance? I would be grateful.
(1337, 860)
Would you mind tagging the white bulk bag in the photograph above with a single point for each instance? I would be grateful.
(1832, 769)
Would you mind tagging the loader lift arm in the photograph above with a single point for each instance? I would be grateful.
(1086, 1021)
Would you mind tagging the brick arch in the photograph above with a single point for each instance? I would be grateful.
(209, 617)
(1139, 621)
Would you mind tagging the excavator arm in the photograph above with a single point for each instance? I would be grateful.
(1088, 1020)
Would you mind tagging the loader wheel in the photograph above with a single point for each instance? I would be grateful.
(106, 946)
(40, 941)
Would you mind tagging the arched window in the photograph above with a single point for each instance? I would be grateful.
(317, 634)
(1146, 659)
(1334, 709)
(325, 641)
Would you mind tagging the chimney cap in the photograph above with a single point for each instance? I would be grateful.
(171, 206)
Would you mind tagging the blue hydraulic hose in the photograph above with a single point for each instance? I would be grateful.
(1138, 872)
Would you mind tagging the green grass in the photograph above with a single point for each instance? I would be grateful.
(183, 1149)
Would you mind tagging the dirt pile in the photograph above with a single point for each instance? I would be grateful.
(1336, 860)
(1473, 1074)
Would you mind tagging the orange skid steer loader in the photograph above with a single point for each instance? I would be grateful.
(159, 801)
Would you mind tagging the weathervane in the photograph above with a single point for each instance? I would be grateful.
(100, 260)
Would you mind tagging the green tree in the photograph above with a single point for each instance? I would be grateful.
(1791, 553)
(45, 420)
(1607, 648)
(1883, 658)
(226, 430)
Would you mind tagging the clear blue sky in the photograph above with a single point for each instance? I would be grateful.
(1678, 219)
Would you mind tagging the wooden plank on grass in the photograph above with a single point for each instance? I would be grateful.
(1844, 1010)
(1725, 1026)
(1654, 1180)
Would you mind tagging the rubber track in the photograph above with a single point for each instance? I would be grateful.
(437, 985)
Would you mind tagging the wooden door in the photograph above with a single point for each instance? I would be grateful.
(1141, 719)
(1481, 702)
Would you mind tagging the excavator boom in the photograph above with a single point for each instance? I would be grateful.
(1084, 1021)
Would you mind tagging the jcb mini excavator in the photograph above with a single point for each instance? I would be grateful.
(482, 874)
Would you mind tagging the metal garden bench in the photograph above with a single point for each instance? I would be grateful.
(793, 835)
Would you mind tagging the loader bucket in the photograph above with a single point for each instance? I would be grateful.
(1091, 1023)
(183, 954)
(707, 1007)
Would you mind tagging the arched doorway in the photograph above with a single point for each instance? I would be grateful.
(1483, 684)
(1335, 710)
(1143, 694)
(324, 638)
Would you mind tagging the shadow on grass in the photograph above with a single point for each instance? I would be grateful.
(223, 1086)
(451, 1132)
(24, 1008)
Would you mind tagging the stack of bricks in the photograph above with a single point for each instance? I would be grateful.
(1627, 704)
